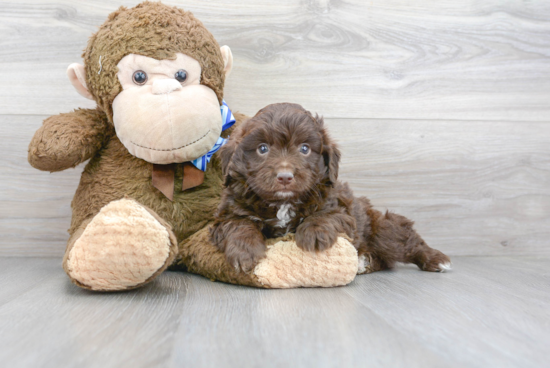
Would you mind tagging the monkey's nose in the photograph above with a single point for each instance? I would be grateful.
(164, 86)
(285, 177)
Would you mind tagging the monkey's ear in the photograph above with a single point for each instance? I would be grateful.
(77, 75)
(227, 60)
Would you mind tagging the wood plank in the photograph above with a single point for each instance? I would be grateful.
(35, 208)
(57, 322)
(232, 326)
(19, 276)
(473, 188)
(401, 59)
(487, 312)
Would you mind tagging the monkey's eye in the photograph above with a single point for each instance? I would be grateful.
(263, 149)
(304, 149)
(181, 75)
(139, 77)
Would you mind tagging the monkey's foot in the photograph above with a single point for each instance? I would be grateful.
(124, 246)
(285, 264)
(288, 266)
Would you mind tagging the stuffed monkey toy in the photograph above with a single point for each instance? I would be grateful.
(147, 195)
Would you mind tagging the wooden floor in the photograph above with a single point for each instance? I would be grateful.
(488, 312)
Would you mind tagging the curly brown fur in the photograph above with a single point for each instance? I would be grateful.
(293, 187)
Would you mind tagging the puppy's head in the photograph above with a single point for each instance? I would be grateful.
(283, 152)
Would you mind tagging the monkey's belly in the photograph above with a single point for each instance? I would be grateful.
(114, 174)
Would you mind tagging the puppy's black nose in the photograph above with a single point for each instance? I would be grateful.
(285, 177)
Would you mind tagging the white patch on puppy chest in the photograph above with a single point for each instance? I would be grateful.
(285, 215)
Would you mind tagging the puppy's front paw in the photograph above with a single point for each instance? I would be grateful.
(241, 242)
(318, 234)
(244, 254)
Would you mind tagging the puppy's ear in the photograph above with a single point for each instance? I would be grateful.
(331, 153)
(227, 151)
(226, 154)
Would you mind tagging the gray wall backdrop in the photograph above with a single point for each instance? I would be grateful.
(441, 108)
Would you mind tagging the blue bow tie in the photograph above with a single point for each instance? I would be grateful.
(227, 122)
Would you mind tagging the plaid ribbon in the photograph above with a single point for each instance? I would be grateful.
(227, 122)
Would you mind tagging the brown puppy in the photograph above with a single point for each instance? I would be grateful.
(281, 171)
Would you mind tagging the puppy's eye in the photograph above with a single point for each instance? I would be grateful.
(304, 149)
(139, 77)
(181, 75)
(263, 149)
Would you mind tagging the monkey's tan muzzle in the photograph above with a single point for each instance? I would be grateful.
(165, 86)
(166, 123)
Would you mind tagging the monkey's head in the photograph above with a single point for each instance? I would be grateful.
(158, 74)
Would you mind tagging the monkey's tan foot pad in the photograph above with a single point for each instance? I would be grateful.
(124, 246)
(287, 266)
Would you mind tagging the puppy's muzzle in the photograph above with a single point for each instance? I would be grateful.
(285, 177)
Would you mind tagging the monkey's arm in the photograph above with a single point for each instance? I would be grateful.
(66, 140)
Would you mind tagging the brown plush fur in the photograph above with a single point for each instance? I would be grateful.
(113, 173)
(297, 176)
(150, 29)
(66, 140)
(198, 255)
